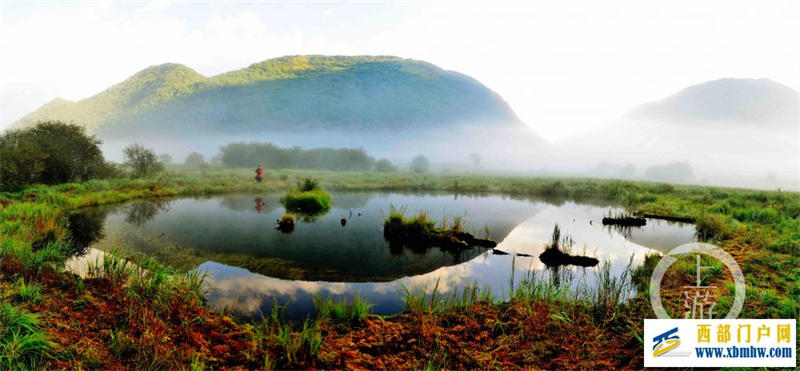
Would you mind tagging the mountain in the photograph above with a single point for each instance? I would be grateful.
(298, 92)
(737, 101)
(735, 132)
(381, 103)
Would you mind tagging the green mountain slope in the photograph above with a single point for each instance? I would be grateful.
(286, 94)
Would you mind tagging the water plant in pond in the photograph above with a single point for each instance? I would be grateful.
(307, 184)
(557, 252)
(286, 223)
(421, 232)
(307, 198)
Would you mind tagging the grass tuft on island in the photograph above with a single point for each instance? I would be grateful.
(420, 232)
(307, 198)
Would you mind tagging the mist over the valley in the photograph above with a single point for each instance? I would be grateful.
(728, 132)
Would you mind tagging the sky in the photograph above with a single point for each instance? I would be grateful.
(564, 67)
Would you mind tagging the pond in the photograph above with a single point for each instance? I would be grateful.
(251, 264)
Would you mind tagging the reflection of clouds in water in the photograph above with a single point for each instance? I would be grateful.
(250, 293)
(245, 291)
(242, 281)
(531, 236)
(80, 264)
(449, 278)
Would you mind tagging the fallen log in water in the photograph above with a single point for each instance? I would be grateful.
(627, 221)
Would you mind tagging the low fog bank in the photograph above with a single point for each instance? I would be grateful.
(712, 154)
(719, 154)
(503, 149)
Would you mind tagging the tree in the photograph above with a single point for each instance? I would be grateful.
(420, 164)
(476, 159)
(274, 157)
(49, 152)
(142, 161)
(194, 159)
(165, 158)
(21, 162)
(385, 166)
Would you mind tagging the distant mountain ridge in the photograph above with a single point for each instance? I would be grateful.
(726, 130)
(740, 101)
(288, 93)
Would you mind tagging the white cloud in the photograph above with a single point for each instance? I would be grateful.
(565, 67)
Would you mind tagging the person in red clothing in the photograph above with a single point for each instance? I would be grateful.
(259, 174)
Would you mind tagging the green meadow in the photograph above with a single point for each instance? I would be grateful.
(133, 311)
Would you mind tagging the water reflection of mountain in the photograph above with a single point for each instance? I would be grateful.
(227, 230)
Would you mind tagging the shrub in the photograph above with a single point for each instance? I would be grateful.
(142, 161)
(420, 164)
(385, 166)
(194, 159)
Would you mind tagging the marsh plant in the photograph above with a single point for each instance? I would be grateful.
(355, 311)
(308, 198)
(286, 223)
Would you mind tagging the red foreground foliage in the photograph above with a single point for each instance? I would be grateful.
(94, 323)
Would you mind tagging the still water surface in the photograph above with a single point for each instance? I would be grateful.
(233, 238)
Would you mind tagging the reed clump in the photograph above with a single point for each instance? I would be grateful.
(421, 232)
(308, 197)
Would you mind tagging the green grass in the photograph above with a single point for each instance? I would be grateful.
(30, 292)
(312, 201)
(354, 312)
(760, 228)
(23, 345)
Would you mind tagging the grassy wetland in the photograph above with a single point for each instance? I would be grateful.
(134, 311)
